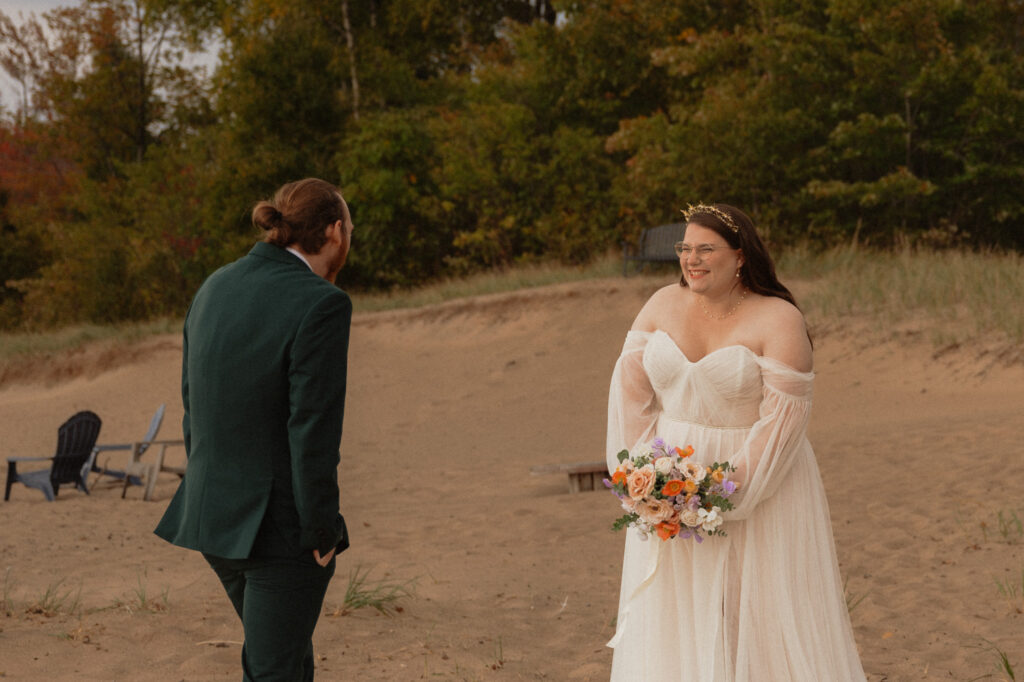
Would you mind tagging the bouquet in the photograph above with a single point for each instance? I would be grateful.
(664, 492)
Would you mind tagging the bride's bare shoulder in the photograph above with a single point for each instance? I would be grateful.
(657, 307)
(784, 333)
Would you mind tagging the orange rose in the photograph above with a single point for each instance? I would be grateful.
(690, 486)
(673, 487)
(667, 530)
(718, 475)
(655, 511)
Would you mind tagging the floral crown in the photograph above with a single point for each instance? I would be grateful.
(692, 210)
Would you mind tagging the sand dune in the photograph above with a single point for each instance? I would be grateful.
(448, 409)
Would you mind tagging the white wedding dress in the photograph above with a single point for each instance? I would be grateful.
(764, 603)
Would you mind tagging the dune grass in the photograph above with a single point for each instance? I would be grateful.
(381, 595)
(14, 344)
(493, 282)
(20, 345)
(952, 296)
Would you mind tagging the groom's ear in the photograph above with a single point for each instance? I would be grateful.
(334, 230)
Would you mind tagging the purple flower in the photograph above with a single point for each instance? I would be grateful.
(729, 487)
(687, 534)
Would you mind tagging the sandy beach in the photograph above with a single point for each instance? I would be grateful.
(513, 578)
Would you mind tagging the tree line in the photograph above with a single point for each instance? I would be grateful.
(474, 134)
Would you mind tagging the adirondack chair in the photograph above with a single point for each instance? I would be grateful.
(655, 245)
(75, 440)
(137, 448)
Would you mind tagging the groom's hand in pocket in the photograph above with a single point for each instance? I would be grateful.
(325, 559)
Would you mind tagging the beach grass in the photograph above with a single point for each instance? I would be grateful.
(952, 297)
(140, 599)
(1011, 589)
(1004, 668)
(40, 343)
(515, 278)
(57, 599)
(380, 595)
(7, 594)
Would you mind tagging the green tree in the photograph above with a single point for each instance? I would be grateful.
(387, 171)
(883, 120)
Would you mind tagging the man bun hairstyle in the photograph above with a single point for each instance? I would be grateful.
(299, 213)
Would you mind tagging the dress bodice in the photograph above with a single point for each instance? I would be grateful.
(722, 389)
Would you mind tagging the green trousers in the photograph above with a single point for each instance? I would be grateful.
(279, 601)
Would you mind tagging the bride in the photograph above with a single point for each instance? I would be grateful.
(723, 362)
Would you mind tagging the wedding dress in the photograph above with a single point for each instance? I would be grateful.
(764, 603)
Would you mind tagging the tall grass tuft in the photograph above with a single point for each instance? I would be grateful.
(1012, 589)
(56, 599)
(1004, 667)
(852, 600)
(961, 295)
(7, 595)
(379, 595)
(141, 601)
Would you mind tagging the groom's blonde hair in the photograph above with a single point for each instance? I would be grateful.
(299, 213)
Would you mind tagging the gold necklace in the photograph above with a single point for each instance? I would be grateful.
(736, 305)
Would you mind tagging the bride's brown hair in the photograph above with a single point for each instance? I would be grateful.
(299, 213)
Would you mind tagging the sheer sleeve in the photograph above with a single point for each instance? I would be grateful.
(776, 439)
(632, 407)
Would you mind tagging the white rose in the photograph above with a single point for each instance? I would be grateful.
(695, 472)
(689, 517)
(710, 520)
(663, 465)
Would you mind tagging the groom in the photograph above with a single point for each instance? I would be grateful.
(263, 385)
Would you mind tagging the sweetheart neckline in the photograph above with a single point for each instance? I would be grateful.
(706, 355)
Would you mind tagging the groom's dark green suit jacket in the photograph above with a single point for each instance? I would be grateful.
(263, 384)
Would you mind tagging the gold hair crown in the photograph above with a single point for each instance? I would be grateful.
(692, 210)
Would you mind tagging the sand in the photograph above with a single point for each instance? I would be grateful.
(512, 578)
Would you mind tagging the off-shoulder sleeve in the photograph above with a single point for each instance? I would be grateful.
(632, 408)
(776, 439)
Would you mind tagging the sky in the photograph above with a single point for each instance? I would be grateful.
(8, 92)
(12, 7)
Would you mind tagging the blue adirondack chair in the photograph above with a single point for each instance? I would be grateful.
(75, 441)
(137, 449)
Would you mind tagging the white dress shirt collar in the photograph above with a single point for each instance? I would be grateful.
(299, 255)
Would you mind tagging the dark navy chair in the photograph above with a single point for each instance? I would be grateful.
(76, 439)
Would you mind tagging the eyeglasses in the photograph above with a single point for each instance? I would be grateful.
(703, 250)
